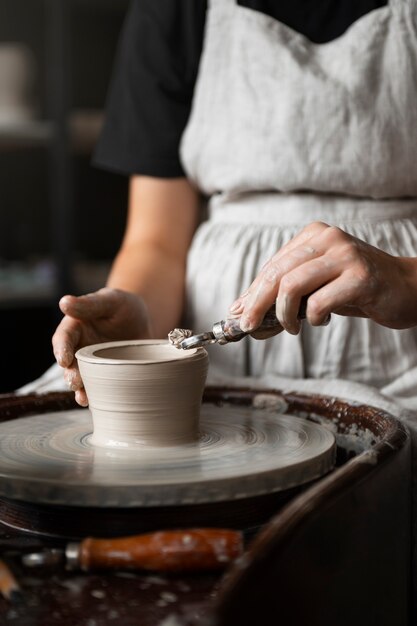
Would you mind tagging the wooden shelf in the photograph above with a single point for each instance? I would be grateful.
(24, 285)
(25, 134)
(62, 34)
(84, 127)
(84, 130)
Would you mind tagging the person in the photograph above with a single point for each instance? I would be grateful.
(294, 124)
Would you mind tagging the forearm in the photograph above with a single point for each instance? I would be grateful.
(157, 276)
(162, 218)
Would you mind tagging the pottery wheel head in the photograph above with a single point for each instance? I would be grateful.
(241, 452)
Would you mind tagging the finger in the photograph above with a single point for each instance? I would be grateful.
(301, 281)
(339, 296)
(286, 308)
(73, 379)
(265, 288)
(235, 312)
(101, 303)
(65, 340)
(307, 233)
(303, 237)
(237, 307)
(81, 398)
(272, 332)
(266, 334)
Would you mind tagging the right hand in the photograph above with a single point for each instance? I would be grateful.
(342, 274)
(105, 315)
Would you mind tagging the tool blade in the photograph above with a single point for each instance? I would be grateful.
(197, 341)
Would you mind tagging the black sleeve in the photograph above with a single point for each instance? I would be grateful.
(152, 87)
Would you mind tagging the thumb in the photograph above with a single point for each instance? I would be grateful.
(95, 305)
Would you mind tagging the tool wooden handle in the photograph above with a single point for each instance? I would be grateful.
(233, 332)
(171, 551)
(9, 587)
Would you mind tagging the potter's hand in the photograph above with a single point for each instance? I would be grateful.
(106, 315)
(344, 275)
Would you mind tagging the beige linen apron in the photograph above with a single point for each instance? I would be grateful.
(284, 132)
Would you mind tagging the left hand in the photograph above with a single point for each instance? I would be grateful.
(106, 315)
(343, 274)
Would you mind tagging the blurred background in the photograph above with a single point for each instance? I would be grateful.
(61, 219)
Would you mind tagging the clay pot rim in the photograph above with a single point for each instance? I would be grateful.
(89, 354)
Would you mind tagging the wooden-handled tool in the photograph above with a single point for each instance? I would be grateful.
(9, 587)
(198, 549)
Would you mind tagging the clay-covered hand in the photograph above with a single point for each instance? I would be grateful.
(343, 274)
(105, 315)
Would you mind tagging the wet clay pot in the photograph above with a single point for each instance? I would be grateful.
(143, 392)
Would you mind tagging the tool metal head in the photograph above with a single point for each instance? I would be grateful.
(198, 341)
(51, 556)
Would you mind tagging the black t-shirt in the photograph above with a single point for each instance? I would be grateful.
(156, 68)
